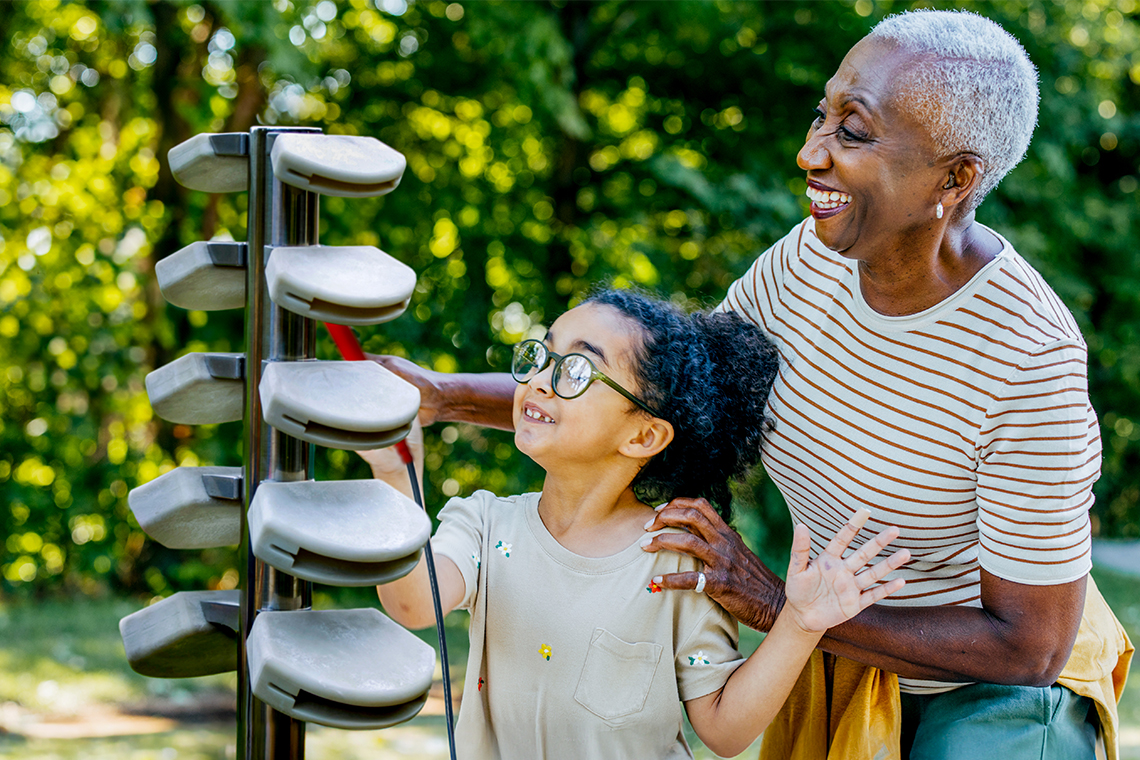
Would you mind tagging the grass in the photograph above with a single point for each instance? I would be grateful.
(66, 660)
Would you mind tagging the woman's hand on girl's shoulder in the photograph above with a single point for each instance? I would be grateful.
(826, 591)
(735, 578)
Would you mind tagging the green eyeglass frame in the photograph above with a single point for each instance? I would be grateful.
(563, 381)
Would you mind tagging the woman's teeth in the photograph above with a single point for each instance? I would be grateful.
(535, 415)
(827, 199)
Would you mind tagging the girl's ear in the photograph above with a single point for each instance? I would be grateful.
(650, 440)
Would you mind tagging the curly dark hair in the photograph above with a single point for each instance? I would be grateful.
(709, 376)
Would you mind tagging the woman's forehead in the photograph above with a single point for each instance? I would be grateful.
(868, 75)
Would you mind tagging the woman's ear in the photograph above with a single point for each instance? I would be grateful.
(962, 178)
(649, 441)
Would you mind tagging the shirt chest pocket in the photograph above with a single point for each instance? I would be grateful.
(616, 676)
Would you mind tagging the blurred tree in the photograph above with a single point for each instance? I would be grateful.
(550, 146)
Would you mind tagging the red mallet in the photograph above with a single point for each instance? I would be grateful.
(350, 350)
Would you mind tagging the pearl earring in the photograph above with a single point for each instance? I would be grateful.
(938, 210)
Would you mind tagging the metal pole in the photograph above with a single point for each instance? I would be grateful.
(278, 215)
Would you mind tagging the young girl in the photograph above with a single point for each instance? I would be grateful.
(575, 652)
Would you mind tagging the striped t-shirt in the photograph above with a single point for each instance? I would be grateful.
(967, 425)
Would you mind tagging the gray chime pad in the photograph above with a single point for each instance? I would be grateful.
(196, 164)
(351, 285)
(191, 279)
(343, 533)
(342, 405)
(189, 390)
(179, 511)
(344, 668)
(175, 638)
(344, 165)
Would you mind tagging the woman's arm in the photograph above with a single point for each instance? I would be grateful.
(821, 594)
(480, 399)
(408, 600)
(1020, 635)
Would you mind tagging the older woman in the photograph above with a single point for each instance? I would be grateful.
(929, 374)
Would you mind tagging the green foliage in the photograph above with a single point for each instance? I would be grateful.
(549, 146)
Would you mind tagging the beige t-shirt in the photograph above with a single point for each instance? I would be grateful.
(575, 657)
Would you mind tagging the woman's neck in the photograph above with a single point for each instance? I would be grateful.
(917, 275)
(592, 516)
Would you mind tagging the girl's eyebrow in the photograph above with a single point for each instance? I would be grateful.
(586, 346)
(580, 345)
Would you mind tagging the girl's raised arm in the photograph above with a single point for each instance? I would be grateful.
(821, 593)
(408, 599)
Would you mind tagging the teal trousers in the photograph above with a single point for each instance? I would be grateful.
(1001, 722)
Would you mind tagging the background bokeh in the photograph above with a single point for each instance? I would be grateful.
(549, 145)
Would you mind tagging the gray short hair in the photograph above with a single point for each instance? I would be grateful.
(973, 87)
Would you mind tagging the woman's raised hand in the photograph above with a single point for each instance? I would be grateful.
(830, 589)
(425, 380)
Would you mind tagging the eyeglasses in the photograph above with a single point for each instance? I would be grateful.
(572, 375)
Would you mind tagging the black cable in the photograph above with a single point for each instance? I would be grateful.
(438, 619)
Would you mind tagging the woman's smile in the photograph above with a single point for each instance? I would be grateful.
(825, 201)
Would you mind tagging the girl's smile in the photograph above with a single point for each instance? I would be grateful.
(534, 413)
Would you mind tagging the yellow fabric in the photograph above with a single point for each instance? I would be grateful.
(862, 721)
(861, 724)
(1098, 666)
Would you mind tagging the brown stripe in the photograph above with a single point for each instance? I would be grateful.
(839, 400)
(1078, 468)
(989, 338)
(1080, 377)
(837, 488)
(871, 454)
(1018, 315)
(1045, 394)
(1035, 549)
(936, 592)
(987, 489)
(925, 368)
(965, 348)
(1082, 528)
(1042, 439)
(1046, 423)
(1024, 302)
(932, 576)
(983, 496)
(1092, 458)
(889, 391)
(1024, 561)
(999, 325)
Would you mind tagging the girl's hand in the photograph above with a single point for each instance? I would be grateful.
(829, 590)
(387, 465)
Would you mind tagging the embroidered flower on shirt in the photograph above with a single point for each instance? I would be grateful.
(653, 588)
(699, 658)
(477, 561)
(480, 684)
(504, 548)
(545, 651)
